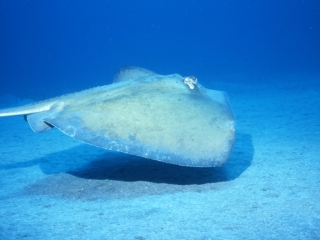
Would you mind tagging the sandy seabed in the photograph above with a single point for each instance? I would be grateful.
(55, 187)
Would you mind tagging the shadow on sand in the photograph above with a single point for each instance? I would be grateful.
(85, 172)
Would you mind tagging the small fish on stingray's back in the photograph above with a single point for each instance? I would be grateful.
(167, 118)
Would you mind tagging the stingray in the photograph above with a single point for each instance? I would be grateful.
(168, 118)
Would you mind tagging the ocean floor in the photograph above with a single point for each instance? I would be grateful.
(55, 187)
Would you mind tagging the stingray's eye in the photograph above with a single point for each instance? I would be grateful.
(190, 81)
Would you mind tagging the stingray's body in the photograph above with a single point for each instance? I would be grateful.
(144, 114)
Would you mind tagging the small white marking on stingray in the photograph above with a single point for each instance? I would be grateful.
(230, 125)
(71, 131)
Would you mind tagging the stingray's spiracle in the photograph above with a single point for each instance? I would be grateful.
(191, 81)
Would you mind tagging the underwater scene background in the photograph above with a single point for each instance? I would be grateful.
(60, 46)
(264, 54)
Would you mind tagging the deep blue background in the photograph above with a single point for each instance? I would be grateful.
(54, 47)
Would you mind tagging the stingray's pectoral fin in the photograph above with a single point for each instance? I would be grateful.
(37, 122)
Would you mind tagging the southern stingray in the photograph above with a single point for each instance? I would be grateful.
(168, 118)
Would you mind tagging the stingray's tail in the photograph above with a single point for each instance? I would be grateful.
(27, 109)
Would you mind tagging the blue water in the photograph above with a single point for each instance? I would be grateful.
(265, 54)
(54, 47)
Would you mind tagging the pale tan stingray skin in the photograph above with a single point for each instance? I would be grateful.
(162, 117)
